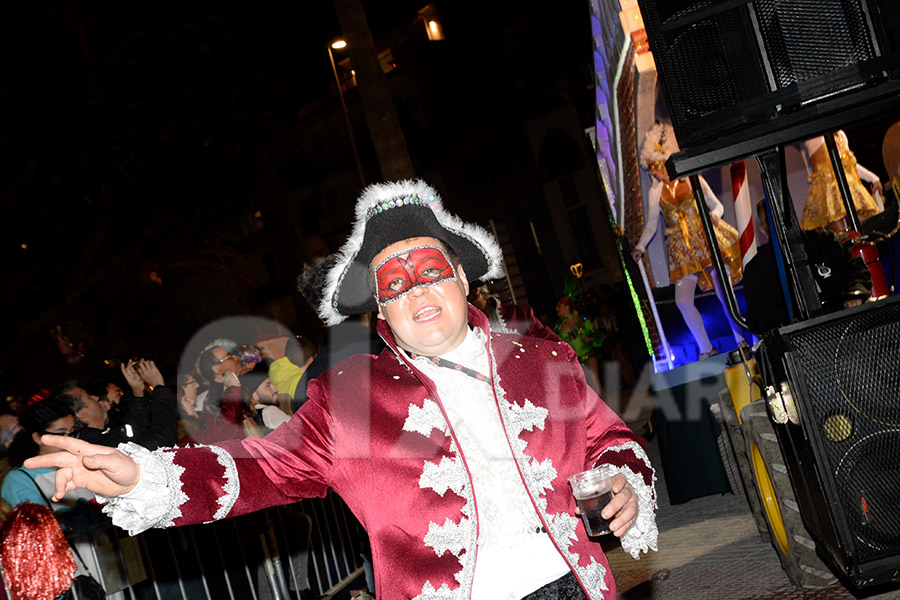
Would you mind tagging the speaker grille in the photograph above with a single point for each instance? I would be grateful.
(850, 369)
(711, 85)
(808, 38)
(726, 65)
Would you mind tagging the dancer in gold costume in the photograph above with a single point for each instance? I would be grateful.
(690, 262)
(824, 206)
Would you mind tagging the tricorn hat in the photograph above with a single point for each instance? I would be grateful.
(387, 213)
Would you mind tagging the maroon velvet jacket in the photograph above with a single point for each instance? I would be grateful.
(374, 430)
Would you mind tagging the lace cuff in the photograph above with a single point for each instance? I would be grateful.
(152, 499)
(643, 535)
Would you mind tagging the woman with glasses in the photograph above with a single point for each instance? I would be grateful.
(37, 485)
(77, 512)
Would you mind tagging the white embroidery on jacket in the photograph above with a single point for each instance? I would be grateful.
(444, 593)
(539, 478)
(448, 537)
(423, 420)
(232, 485)
(177, 497)
(643, 535)
(448, 474)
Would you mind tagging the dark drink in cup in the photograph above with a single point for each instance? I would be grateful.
(591, 508)
(592, 492)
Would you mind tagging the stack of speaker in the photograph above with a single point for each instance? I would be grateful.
(726, 64)
(745, 67)
(841, 373)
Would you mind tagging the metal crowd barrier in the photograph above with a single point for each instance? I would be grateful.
(311, 549)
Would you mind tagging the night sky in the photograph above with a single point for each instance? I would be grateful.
(137, 141)
(135, 136)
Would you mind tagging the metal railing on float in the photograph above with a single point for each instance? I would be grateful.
(311, 549)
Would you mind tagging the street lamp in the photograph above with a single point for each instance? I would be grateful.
(338, 45)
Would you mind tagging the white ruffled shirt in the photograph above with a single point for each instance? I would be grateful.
(514, 557)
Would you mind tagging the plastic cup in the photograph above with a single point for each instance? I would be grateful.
(593, 491)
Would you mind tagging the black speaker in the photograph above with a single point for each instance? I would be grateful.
(726, 64)
(839, 377)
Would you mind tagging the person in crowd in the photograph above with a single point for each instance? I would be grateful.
(578, 331)
(246, 355)
(190, 405)
(843, 281)
(447, 413)
(150, 418)
(236, 417)
(220, 356)
(22, 484)
(249, 355)
(690, 261)
(9, 425)
(289, 356)
(824, 206)
(109, 395)
(263, 397)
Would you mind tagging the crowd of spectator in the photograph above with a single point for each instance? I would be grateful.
(233, 391)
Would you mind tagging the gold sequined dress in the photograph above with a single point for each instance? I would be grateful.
(686, 242)
(823, 200)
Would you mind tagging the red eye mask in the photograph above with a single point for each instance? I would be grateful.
(401, 272)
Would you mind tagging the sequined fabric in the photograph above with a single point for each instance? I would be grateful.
(823, 199)
(36, 558)
(688, 250)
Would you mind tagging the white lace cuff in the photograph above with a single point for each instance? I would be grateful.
(151, 501)
(643, 535)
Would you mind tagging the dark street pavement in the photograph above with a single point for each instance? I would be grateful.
(709, 548)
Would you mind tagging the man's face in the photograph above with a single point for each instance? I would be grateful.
(92, 413)
(266, 392)
(421, 296)
(113, 393)
(225, 362)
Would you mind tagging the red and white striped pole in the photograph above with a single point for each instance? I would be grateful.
(743, 211)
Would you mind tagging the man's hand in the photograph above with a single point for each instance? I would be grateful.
(149, 373)
(273, 349)
(100, 469)
(623, 506)
(189, 405)
(134, 380)
(636, 255)
(230, 379)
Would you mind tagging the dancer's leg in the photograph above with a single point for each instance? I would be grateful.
(684, 299)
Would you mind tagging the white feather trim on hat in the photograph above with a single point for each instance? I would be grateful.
(377, 197)
(659, 144)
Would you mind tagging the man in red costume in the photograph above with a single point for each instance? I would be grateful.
(452, 446)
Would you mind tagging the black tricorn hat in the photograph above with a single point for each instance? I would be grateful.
(387, 213)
